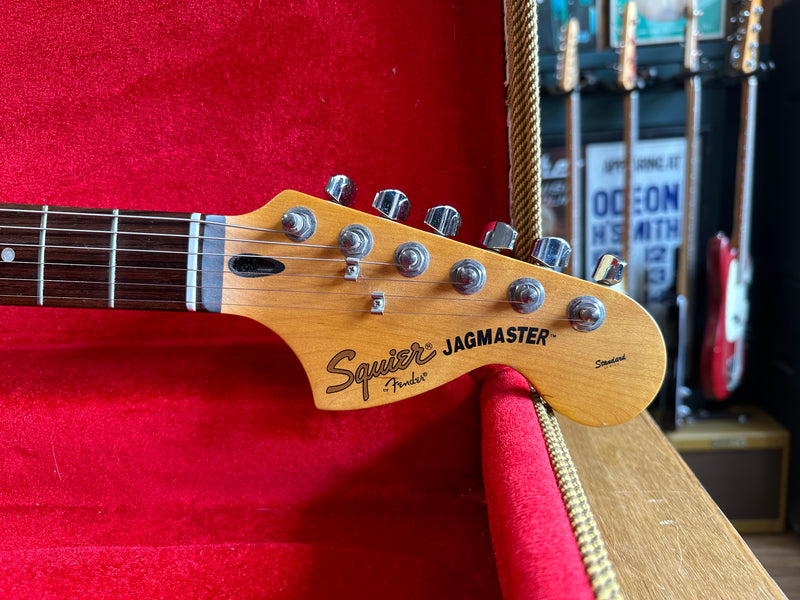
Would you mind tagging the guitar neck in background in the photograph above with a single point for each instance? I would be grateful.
(687, 255)
(745, 60)
(628, 81)
(743, 207)
(574, 191)
(568, 78)
(102, 258)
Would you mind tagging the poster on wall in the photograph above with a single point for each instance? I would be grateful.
(554, 192)
(664, 21)
(658, 192)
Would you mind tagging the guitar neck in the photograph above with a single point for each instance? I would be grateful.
(740, 238)
(630, 137)
(90, 258)
(688, 250)
(574, 223)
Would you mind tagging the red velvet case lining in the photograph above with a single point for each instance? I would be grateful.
(164, 455)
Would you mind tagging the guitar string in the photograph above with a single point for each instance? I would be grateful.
(184, 236)
(340, 261)
(123, 284)
(362, 278)
(169, 252)
(173, 252)
(146, 217)
(505, 317)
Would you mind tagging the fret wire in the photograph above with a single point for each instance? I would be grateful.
(137, 216)
(42, 235)
(112, 259)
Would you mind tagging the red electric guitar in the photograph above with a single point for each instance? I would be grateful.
(376, 311)
(722, 358)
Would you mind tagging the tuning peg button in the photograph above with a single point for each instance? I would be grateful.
(551, 252)
(444, 220)
(341, 190)
(499, 236)
(411, 259)
(392, 204)
(526, 295)
(468, 276)
(609, 270)
(299, 223)
(586, 313)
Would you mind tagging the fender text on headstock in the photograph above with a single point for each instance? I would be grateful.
(398, 360)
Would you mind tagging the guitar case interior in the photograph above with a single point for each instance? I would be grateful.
(160, 454)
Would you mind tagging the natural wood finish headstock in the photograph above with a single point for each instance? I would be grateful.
(567, 71)
(691, 52)
(429, 333)
(745, 49)
(627, 77)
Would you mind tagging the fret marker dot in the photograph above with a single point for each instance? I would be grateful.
(7, 254)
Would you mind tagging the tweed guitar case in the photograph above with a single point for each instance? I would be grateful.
(179, 453)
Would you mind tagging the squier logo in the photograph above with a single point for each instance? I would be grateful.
(399, 360)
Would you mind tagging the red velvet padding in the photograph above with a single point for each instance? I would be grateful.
(161, 455)
(227, 482)
(534, 544)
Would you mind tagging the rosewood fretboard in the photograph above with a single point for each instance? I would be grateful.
(90, 258)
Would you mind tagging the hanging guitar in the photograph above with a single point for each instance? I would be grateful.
(567, 80)
(375, 311)
(677, 332)
(722, 357)
(628, 82)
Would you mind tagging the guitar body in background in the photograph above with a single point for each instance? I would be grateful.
(728, 262)
(722, 356)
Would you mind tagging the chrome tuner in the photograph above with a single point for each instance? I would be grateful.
(444, 220)
(341, 190)
(392, 204)
(499, 236)
(586, 313)
(411, 259)
(551, 252)
(468, 276)
(299, 223)
(609, 270)
(355, 241)
(526, 295)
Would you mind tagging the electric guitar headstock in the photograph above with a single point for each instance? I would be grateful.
(567, 70)
(691, 52)
(377, 311)
(745, 49)
(627, 77)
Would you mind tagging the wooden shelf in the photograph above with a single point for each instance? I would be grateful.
(666, 537)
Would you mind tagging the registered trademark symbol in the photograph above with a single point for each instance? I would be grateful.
(428, 346)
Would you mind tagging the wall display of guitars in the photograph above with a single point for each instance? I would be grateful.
(729, 265)
(640, 200)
